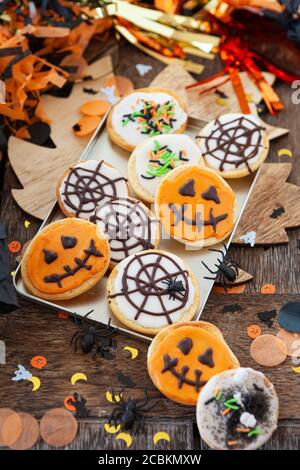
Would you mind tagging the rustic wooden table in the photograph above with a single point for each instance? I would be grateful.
(33, 330)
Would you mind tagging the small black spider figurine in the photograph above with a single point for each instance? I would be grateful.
(174, 288)
(128, 411)
(89, 336)
(226, 272)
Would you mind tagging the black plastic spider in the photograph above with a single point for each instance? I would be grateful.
(174, 288)
(227, 269)
(89, 336)
(129, 411)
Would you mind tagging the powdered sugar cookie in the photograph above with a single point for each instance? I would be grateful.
(237, 409)
(154, 158)
(88, 184)
(144, 113)
(129, 225)
(152, 289)
(196, 206)
(234, 144)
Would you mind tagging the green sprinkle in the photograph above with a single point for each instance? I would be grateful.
(219, 395)
(255, 432)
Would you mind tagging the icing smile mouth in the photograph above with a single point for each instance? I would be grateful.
(170, 366)
(80, 264)
(197, 221)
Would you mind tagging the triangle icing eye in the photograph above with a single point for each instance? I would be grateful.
(49, 256)
(211, 195)
(188, 188)
(185, 345)
(68, 242)
(207, 358)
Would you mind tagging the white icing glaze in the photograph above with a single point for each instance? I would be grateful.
(208, 146)
(152, 302)
(176, 143)
(128, 227)
(211, 423)
(101, 190)
(130, 103)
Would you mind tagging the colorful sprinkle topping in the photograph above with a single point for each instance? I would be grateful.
(162, 160)
(152, 118)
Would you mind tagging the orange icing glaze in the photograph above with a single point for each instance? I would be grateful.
(50, 239)
(203, 179)
(166, 382)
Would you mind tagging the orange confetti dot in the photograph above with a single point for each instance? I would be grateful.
(95, 108)
(268, 289)
(38, 362)
(69, 405)
(86, 125)
(253, 331)
(63, 315)
(14, 246)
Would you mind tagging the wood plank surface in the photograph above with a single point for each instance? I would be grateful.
(37, 330)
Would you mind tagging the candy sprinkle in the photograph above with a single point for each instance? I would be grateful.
(254, 432)
(153, 118)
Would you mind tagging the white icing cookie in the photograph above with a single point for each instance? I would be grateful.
(253, 405)
(129, 226)
(152, 289)
(234, 144)
(153, 159)
(144, 113)
(88, 184)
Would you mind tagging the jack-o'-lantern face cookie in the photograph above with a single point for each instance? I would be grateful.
(65, 259)
(183, 357)
(196, 206)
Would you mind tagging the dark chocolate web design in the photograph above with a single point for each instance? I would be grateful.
(79, 264)
(170, 366)
(149, 282)
(238, 141)
(90, 187)
(128, 226)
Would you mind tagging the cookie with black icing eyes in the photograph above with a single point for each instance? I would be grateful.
(237, 410)
(234, 144)
(65, 259)
(183, 357)
(152, 289)
(144, 113)
(196, 206)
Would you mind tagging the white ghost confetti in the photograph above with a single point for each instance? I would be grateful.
(109, 92)
(143, 69)
(249, 238)
(21, 374)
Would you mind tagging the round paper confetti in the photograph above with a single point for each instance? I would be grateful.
(268, 289)
(30, 433)
(253, 331)
(292, 342)
(68, 403)
(14, 246)
(58, 427)
(268, 350)
(38, 362)
(95, 108)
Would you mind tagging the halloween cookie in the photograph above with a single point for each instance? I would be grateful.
(196, 206)
(88, 184)
(153, 159)
(183, 357)
(65, 259)
(234, 144)
(129, 225)
(152, 289)
(144, 113)
(237, 409)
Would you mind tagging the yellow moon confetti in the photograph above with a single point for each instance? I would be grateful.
(36, 383)
(112, 398)
(296, 369)
(283, 152)
(78, 376)
(221, 101)
(112, 429)
(124, 436)
(26, 223)
(134, 352)
(161, 436)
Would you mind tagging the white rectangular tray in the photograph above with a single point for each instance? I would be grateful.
(101, 148)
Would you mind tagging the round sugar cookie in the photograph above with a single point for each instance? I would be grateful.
(196, 206)
(65, 259)
(88, 184)
(237, 410)
(234, 144)
(144, 113)
(151, 290)
(184, 356)
(157, 156)
(129, 226)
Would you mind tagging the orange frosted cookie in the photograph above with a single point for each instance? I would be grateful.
(65, 259)
(196, 205)
(184, 356)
